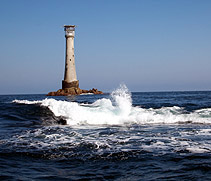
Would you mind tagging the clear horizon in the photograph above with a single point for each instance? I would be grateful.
(151, 46)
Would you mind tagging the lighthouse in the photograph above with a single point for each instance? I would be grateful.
(70, 78)
(70, 84)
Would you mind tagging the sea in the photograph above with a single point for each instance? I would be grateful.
(120, 135)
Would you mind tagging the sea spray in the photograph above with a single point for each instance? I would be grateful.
(122, 100)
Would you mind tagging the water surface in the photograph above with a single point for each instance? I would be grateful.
(117, 136)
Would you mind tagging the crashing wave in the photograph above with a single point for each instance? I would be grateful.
(118, 110)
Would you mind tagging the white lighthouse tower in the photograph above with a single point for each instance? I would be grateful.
(70, 78)
(70, 84)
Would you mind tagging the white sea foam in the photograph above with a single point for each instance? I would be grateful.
(86, 94)
(118, 111)
(27, 102)
(174, 140)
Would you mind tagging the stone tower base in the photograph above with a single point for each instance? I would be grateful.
(66, 85)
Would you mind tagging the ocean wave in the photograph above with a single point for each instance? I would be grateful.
(118, 110)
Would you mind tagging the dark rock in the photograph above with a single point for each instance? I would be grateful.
(62, 121)
(85, 91)
(70, 91)
(78, 91)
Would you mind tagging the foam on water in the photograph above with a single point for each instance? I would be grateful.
(118, 110)
(99, 141)
(26, 102)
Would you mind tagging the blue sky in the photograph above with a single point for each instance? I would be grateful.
(150, 45)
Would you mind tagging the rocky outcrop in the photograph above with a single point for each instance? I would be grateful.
(73, 91)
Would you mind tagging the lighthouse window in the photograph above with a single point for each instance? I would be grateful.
(70, 59)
